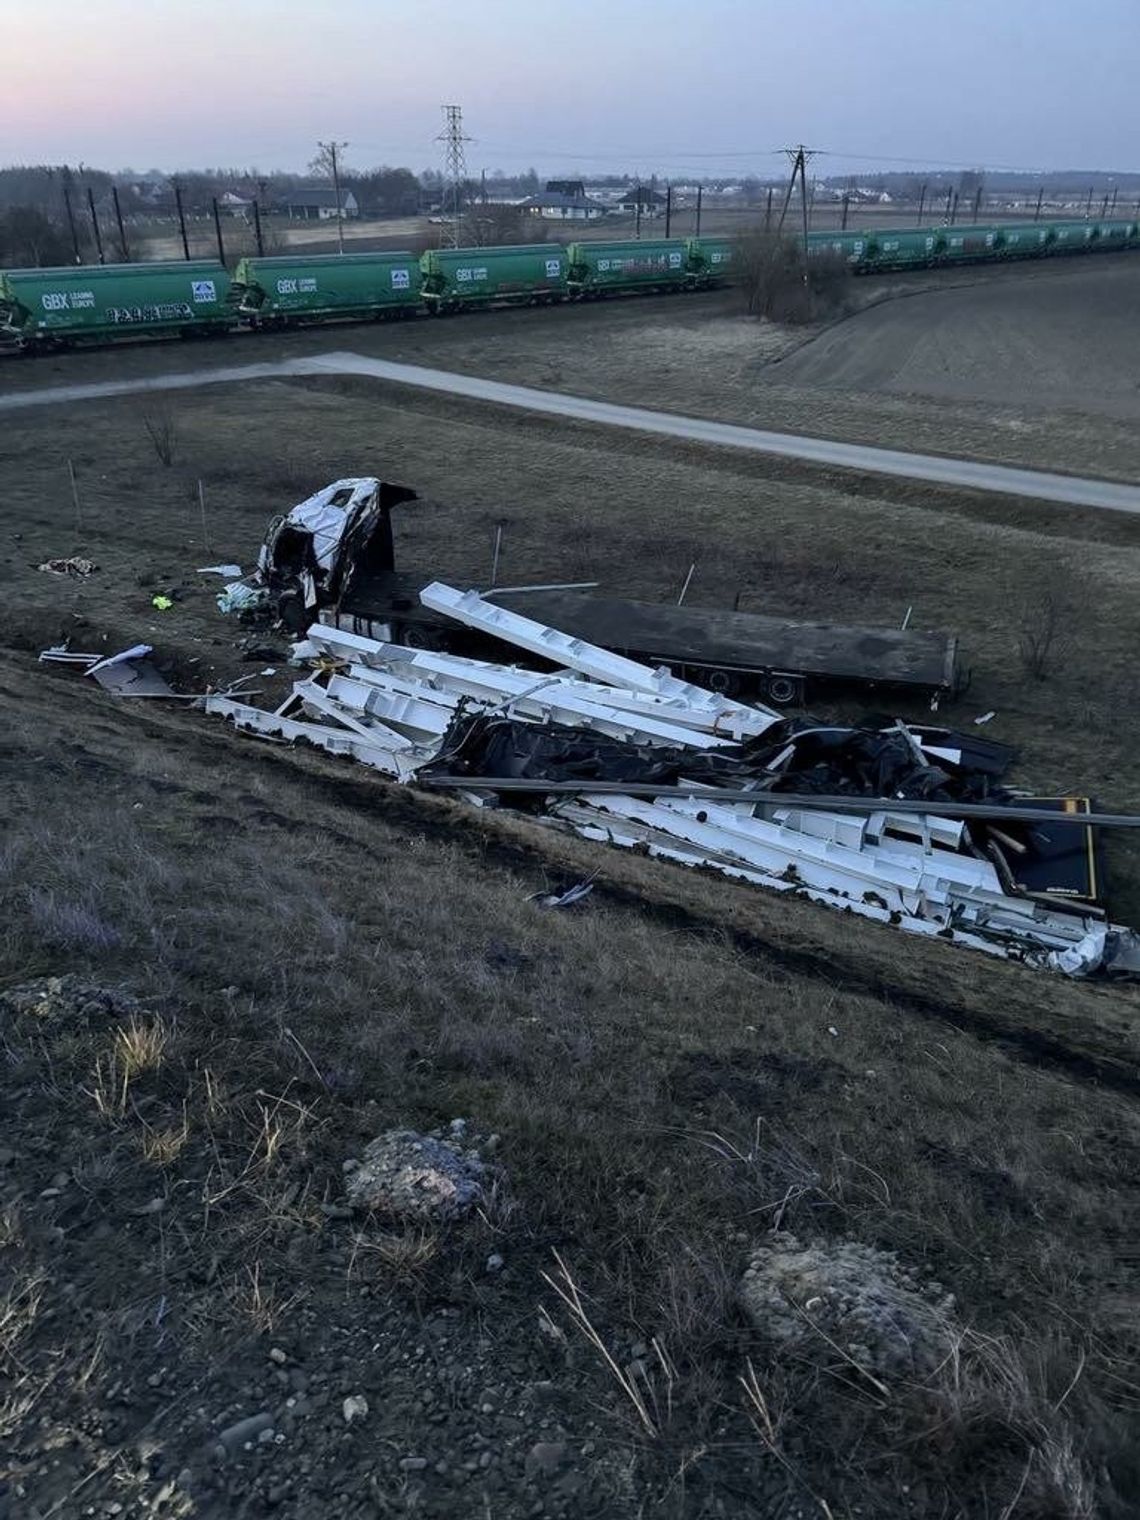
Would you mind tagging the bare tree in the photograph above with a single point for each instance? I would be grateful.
(769, 271)
(161, 428)
(495, 226)
(1044, 620)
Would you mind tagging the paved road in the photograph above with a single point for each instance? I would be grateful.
(965, 474)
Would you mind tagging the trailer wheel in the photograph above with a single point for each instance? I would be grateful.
(784, 691)
(413, 636)
(725, 683)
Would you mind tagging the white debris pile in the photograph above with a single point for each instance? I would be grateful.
(399, 710)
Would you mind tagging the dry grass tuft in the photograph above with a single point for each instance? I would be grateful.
(139, 1046)
(400, 1257)
(19, 1309)
(162, 1147)
(260, 1303)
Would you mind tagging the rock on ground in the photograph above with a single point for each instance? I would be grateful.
(63, 1000)
(874, 1309)
(416, 1177)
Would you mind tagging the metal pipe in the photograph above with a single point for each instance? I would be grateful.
(795, 800)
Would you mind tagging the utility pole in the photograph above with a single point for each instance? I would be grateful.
(181, 219)
(699, 189)
(949, 203)
(921, 202)
(1040, 198)
(67, 206)
(454, 169)
(977, 202)
(218, 233)
(954, 209)
(331, 151)
(799, 157)
(1112, 208)
(122, 229)
(637, 215)
(95, 225)
(257, 229)
(846, 203)
(668, 208)
(768, 209)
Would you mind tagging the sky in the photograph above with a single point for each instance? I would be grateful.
(675, 87)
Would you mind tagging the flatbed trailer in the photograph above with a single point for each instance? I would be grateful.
(333, 558)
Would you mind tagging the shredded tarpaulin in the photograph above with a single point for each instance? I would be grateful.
(231, 572)
(607, 721)
(238, 597)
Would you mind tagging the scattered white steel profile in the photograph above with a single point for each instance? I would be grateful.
(400, 762)
(403, 710)
(525, 693)
(632, 834)
(392, 708)
(736, 719)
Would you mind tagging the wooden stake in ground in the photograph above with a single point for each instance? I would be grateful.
(75, 499)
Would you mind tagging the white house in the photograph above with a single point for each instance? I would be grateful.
(318, 205)
(557, 206)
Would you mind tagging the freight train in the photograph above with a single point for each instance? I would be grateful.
(54, 308)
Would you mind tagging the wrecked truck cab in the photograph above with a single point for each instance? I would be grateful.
(312, 555)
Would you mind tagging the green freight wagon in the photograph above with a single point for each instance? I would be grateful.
(451, 278)
(1111, 235)
(46, 308)
(283, 291)
(967, 245)
(856, 247)
(1024, 240)
(1073, 237)
(711, 258)
(599, 268)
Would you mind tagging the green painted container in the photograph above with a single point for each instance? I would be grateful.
(527, 273)
(40, 308)
(657, 264)
(283, 291)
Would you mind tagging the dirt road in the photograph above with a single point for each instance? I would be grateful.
(964, 474)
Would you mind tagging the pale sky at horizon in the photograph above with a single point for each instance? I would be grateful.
(669, 86)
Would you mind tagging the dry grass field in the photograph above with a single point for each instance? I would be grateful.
(671, 1071)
